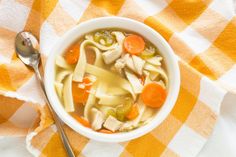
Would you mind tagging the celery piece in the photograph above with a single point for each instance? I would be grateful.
(104, 36)
(121, 111)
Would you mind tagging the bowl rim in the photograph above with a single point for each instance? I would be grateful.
(72, 35)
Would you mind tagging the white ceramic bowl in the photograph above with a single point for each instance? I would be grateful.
(127, 24)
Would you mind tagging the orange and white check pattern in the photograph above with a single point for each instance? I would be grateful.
(202, 33)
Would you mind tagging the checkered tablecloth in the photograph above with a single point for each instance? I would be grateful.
(202, 33)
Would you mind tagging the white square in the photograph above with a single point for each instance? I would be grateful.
(228, 80)
(48, 38)
(194, 40)
(12, 146)
(31, 91)
(186, 142)
(19, 119)
(226, 8)
(13, 15)
(5, 60)
(101, 149)
(74, 8)
(210, 94)
(152, 7)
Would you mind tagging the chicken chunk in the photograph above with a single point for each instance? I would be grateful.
(119, 65)
(134, 82)
(97, 118)
(139, 64)
(130, 64)
(134, 63)
(112, 124)
(111, 55)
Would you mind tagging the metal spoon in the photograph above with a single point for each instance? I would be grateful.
(26, 46)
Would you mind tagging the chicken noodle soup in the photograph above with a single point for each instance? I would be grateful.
(111, 80)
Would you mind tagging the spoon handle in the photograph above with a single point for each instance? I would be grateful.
(58, 122)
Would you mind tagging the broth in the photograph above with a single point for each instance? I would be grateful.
(111, 80)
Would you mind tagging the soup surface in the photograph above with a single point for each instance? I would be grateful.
(111, 80)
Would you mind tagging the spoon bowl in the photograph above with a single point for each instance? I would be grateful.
(26, 46)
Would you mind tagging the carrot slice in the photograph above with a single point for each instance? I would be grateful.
(105, 131)
(153, 95)
(80, 95)
(81, 120)
(72, 54)
(133, 113)
(134, 44)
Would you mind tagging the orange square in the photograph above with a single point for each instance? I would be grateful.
(212, 63)
(202, 119)
(18, 73)
(112, 7)
(5, 79)
(34, 23)
(226, 41)
(14, 56)
(188, 11)
(153, 22)
(184, 105)
(8, 106)
(44, 7)
(125, 153)
(167, 130)
(210, 24)
(146, 145)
